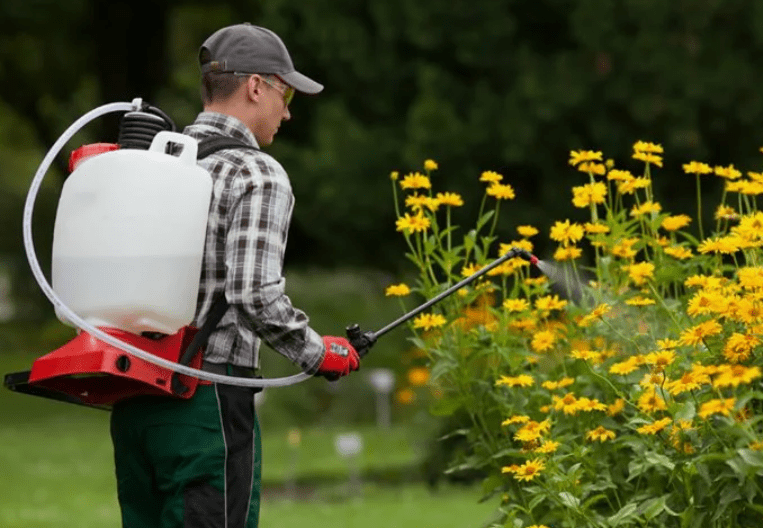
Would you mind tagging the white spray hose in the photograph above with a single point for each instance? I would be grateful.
(81, 323)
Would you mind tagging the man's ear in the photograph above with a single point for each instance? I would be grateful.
(254, 87)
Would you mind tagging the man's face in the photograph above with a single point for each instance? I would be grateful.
(273, 108)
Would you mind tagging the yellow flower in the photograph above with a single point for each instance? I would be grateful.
(650, 401)
(640, 301)
(566, 232)
(415, 180)
(676, 222)
(619, 175)
(616, 408)
(586, 355)
(678, 252)
(548, 446)
(668, 344)
(580, 156)
(624, 248)
(592, 168)
(552, 385)
(523, 380)
(645, 146)
(397, 290)
(704, 302)
(413, 224)
(516, 305)
(549, 302)
(717, 406)
(725, 245)
(517, 418)
(418, 376)
(590, 193)
(654, 427)
(661, 359)
(451, 199)
(543, 341)
(563, 253)
(750, 277)
(646, 208)
(630, 186)
(490, 177)
(595, 229)
(625, 367)
(405, 396)
(730, 173)
(430, 165)
(470, 269)
(696, 167)
(724, 212)
(429, 321)
(695, 334)
(529, 470)
(735, 375)
(689, 381)
(418, 201)
(640, 272)
(394, 175)
(648, 158)
(532, 430)
(601, 434)
(501, 192)
(527, 231)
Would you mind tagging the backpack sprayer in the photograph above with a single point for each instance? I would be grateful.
(127, 255)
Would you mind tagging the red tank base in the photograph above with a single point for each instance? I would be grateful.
(89, 372)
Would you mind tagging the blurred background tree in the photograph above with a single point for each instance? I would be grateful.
(508, 86)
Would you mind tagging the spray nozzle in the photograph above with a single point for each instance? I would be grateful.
(524, 254)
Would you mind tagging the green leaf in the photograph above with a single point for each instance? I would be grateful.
(453, 434)
(657, 459)
(652, 508)
(752, 458)
(445, 406)
(484, 220)
(569, 500)
(626, 513)
(539, 498)
(686, 412)
(469, 240)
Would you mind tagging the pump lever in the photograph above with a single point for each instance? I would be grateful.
(363, 341)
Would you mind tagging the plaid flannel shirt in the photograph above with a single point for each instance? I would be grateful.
(248, 224)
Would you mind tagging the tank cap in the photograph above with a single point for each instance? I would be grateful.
(85, 151)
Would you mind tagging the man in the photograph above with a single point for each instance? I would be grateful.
(196, 463)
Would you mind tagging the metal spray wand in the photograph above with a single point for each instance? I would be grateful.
(363, 341)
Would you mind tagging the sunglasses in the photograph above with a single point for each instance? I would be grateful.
(276, 82)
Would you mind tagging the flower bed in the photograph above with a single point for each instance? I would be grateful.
(622, 385)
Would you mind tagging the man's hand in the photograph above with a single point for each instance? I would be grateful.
(339, 359)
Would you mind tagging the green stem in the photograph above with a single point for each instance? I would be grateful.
(699, 209)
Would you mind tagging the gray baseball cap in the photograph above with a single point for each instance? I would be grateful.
(246, 48)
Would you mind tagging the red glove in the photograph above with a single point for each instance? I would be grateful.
(339, 360)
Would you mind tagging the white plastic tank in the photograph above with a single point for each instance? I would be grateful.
(129, 237)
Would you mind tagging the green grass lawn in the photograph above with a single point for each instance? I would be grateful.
(57, 472)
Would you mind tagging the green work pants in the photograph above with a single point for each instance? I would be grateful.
(188, 463)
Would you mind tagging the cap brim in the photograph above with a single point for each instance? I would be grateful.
(301, 83)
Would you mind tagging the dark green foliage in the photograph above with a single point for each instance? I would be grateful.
(509, 86)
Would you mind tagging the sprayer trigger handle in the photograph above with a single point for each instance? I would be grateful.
(360, 341)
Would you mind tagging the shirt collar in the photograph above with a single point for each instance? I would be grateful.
(217, 123)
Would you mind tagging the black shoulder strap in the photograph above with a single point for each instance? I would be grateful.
(208, 146)
(211, 144)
